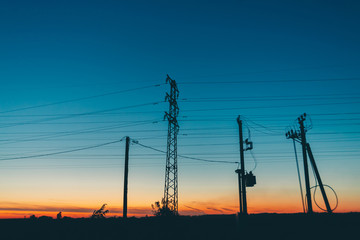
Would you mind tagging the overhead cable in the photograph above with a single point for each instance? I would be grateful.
(61, 152)
(183, 156)
(80, 99)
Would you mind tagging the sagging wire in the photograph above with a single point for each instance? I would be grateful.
(181, 156)
(249, 140)
(251, 152)
(255, 161)
(62, 152)
(262, 126)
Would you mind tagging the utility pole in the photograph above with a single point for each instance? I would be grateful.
(301, 120)
(171, 170)
(300, 136)
(242, 179)
(126, 173)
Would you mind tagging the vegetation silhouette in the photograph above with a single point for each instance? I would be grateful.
(100, 213)
(160, 209)
(45, 218)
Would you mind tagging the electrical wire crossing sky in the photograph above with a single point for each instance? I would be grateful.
(76, 78)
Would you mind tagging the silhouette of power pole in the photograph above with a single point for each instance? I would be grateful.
(301, 120)
(126, 173)
(244, 179)
(300, 136)
(241, 172)
(171, 170)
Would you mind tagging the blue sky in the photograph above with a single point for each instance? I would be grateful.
(267, 61)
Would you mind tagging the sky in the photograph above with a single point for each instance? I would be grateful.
(85, 74)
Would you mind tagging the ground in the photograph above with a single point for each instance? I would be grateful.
(257, 226)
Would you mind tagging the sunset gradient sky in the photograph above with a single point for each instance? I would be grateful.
(76, 74)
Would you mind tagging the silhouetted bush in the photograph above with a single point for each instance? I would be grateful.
(162, 210)
(100, 213)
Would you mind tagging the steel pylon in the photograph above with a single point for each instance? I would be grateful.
(171, 170)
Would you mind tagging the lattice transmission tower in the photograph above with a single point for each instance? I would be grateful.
(171, 171)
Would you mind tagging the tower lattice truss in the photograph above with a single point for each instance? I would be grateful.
(171, 174)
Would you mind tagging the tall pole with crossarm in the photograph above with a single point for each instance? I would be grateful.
(171, 170)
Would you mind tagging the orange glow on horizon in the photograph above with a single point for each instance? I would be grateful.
(255, 207)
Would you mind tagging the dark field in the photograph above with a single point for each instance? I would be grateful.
(259, 226)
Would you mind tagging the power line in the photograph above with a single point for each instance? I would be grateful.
(209, 153)
(265, 107)
(81, 99)
(261, 99)
(202, 115)
(103, 165)
(270, 71)
(274, 81)
(61, 152)
(266, 117)
(260, 125)
(356, 95)
(263, 160)
(255, 160)
(183, 156)
(71, 133)
(82, 114)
